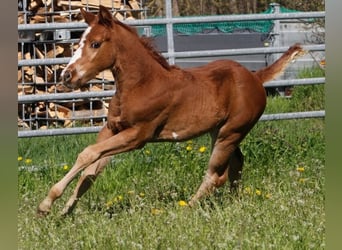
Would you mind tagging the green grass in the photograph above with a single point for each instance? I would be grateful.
(134, 204)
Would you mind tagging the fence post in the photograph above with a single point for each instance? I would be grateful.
(169, 32)
(276, 43)
(276, 31)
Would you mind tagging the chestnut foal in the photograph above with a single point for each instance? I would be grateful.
(156, 102)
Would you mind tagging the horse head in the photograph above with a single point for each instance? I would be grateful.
(95, 52)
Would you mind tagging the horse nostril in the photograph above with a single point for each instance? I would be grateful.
(66, 77)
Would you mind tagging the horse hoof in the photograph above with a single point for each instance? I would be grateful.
(42, 213)
(192, 203)
(44, 208)
(65, 212)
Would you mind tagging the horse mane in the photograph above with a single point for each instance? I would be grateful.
(148, 45)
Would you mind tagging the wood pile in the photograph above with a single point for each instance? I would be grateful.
(42, 11)
(43, 79)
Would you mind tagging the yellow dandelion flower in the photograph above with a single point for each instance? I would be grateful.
(65, 167)
(268, 196)
(248, 190)
(301, 180)
(131, 192)
(119, 198)
(300, 169)
(20, 158)
(109, 204)
(202, 149)
(142, 195)
(148, 152)
(28, 161)
(188, 148)
(258, 192)
(182, 203)
(156, 211)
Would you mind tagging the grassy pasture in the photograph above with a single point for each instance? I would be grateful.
(139, 202)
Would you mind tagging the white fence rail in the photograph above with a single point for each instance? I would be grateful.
(32, 101)
(95, 129)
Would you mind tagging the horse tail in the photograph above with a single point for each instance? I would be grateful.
(269, 73)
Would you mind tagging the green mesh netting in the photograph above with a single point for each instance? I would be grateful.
(225, 27)
(262, 26)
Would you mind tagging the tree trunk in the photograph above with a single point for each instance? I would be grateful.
(233, 6)
(175, 8)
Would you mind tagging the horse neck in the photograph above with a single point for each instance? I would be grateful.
(134, 63)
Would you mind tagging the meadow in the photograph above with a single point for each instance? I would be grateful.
(140, 200)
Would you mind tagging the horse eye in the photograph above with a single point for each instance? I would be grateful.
(95, 45)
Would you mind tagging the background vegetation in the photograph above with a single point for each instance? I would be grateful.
(216, 7)
(140, 201)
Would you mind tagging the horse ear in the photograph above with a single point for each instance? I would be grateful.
(105, 17)
(88, 16)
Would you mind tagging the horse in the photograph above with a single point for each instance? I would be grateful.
(158, 102)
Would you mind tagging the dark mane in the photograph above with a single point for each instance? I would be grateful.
(147, 43)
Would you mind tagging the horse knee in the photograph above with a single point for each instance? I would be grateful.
(87, 156)
(97, 167)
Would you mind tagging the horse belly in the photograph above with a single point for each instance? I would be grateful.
(180, 130)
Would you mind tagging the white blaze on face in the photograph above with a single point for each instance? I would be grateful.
(78, 53)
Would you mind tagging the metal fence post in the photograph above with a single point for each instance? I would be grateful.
(276, 41)
(276, 31)
(169, 32)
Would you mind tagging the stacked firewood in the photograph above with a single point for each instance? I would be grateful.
(43, 79)
(42, 11)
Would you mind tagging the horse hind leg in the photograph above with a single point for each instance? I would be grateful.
(231, 170)
(225, 161)
(235, 169)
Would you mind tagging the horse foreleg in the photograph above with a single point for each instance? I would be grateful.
(89, 174)
(82, 162)
(84, 159)
(126, 140)
(86, 180)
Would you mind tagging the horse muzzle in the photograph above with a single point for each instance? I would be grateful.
(66, 79)
(66, 76)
